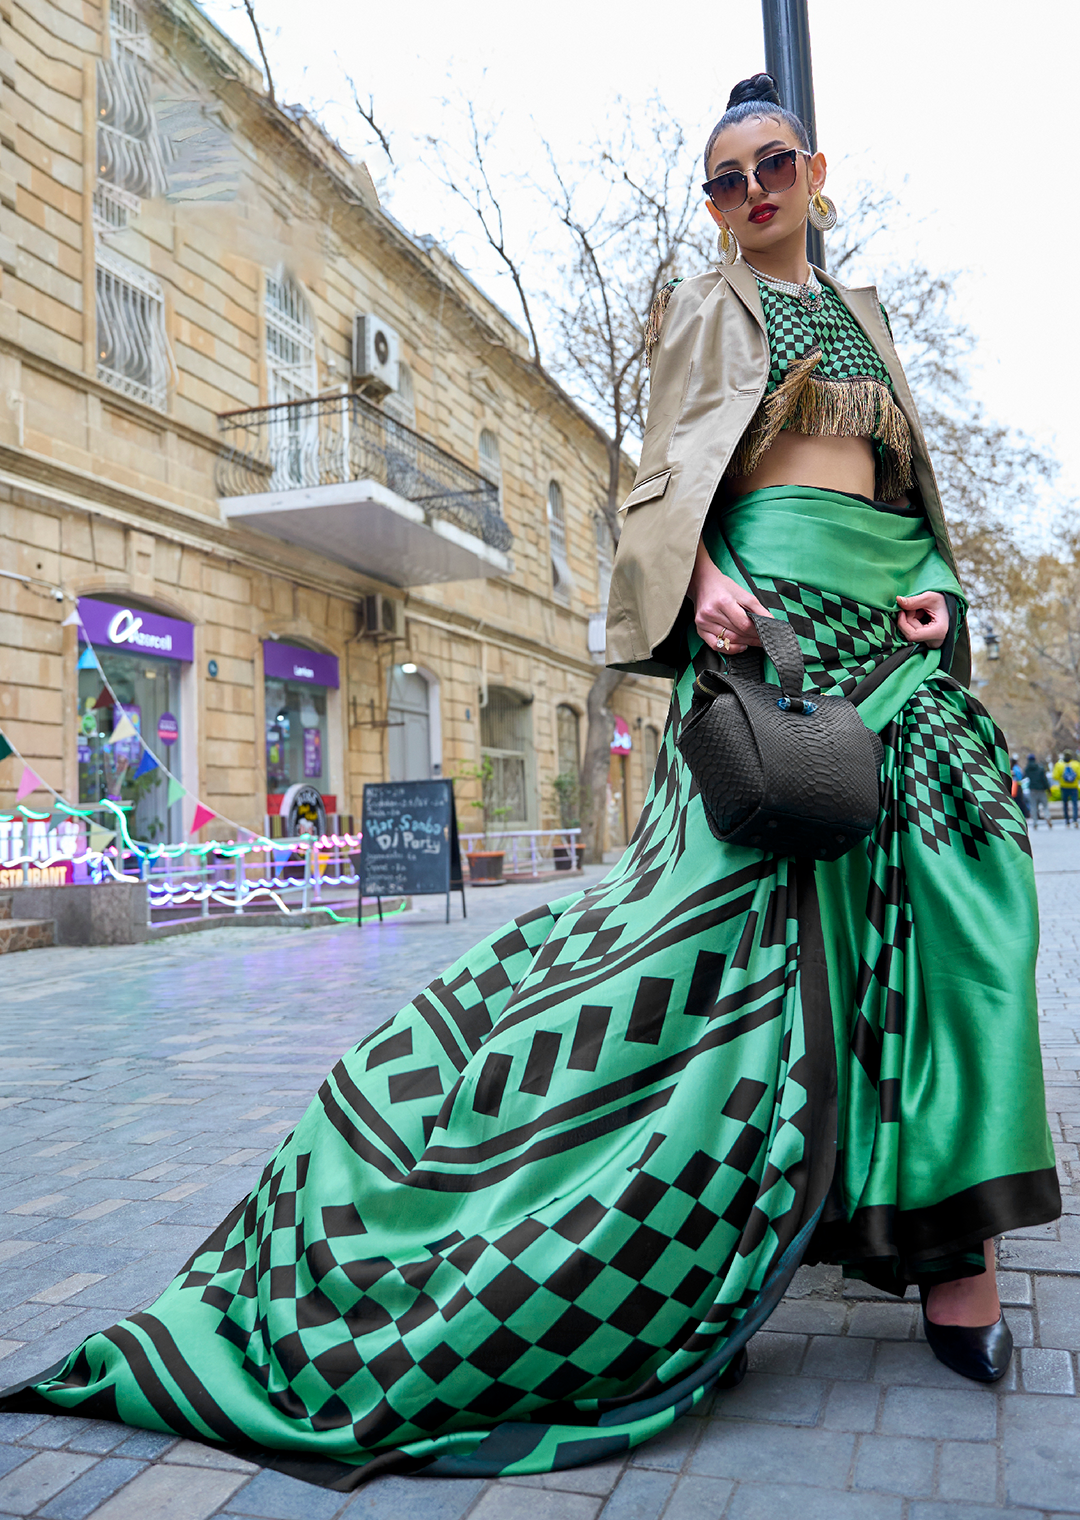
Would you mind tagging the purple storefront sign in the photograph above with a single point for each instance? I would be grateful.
(114, 626)
(284, 662)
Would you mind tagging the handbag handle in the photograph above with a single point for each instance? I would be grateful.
(778, 641)
(780, 644)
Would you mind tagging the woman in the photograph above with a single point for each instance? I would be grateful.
(538, 1215)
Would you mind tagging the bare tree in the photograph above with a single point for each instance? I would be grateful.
(249, 7)
(629, 212)
(991, 477)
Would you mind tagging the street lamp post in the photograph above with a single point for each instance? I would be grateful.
(787, 58)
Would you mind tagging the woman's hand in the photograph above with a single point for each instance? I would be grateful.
(721, 606)
(924, 619)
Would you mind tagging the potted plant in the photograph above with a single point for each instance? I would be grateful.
(486, 865)
(567, 789)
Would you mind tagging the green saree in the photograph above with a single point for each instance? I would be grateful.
(529, 1221)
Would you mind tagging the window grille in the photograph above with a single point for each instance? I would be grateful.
(126, 28)
(561, 579)
(130, 162)
(490, 458)
(290, 341)
(401, 404)
(132, 348)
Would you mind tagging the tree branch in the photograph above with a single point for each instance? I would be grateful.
(250, 8)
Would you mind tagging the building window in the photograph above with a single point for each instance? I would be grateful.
(130, 162)
(401, 404)
(290, 341)
(490, 458)
(133, 351)
(561, 580)
(568, 738)
(506, 740)
(604, 558)
(651, 747)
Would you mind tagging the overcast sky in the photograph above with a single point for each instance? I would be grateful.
(965, 110)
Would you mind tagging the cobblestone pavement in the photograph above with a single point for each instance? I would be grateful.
(141, 1088)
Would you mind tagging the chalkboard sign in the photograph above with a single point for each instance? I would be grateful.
(410, 845)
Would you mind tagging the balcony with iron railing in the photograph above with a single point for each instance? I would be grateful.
(337, 475)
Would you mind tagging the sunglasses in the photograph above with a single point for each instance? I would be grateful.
(728, 191)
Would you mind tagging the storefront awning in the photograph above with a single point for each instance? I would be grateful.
(363, 524)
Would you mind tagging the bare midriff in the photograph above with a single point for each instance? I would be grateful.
(798, 459)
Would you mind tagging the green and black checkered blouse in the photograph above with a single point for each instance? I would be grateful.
(826, 379)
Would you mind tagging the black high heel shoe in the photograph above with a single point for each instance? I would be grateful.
(980, 1352)
(733, 1373)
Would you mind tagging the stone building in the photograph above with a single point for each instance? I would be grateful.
(323, 521)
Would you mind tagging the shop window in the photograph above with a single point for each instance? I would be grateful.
(148, 692)
(296, 736)
(506, 740)
(133, 354)
(561, 580)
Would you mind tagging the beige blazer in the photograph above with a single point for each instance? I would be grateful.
(709, 373)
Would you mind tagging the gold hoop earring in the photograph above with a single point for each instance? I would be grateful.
(726, 246)
(821, 212)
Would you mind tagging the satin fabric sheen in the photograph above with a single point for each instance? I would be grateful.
(528, 1222)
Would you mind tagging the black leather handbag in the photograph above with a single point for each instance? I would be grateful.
(780, 768)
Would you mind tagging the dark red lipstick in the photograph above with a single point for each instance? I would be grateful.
(765, 213)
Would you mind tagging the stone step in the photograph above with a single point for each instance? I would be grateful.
(26, 934)
(5, 906)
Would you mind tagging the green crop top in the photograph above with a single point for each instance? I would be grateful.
(826, 379)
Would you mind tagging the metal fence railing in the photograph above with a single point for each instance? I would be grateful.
(530, 852)
(329, 440)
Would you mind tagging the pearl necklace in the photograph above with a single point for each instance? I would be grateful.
(809, 295)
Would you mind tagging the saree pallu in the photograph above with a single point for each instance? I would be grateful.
(529, 1221)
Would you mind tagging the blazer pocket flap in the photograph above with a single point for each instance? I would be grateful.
(648, 490)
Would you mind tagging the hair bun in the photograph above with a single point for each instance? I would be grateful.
(757, 87)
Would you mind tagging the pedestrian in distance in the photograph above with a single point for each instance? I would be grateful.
(1038, 792)
(1019, 787)
(1067, 780)
(538, 1215)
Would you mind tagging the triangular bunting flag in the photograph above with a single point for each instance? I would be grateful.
(176, 791)
(202, 815)
(28, 782)
(5, 748)
(147, 763)
(104, 699)
(125, 729)
(98, 838)
(72, 617)
(87, 660)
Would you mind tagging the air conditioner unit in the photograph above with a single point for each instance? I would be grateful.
(376, 347)
(381, 617)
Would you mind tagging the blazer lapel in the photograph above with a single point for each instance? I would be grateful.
(745, 287)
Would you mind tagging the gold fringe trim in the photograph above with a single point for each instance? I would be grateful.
(806, 403)
(656, 320)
